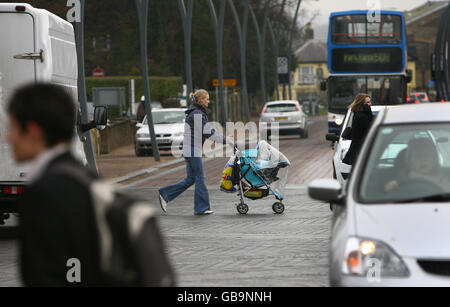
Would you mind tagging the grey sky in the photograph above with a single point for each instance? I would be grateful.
(325, 7)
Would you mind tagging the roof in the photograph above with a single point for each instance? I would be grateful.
(424, 10)
(312, 51)
(418, 113)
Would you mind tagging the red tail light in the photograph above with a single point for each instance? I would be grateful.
(11, 190)
(265, 109)
(416, 101)
(297, 108)
(20, 8)
(408, 99)
(417, 94)
(442, 100)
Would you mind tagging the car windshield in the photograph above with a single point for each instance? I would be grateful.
(167, 117)
(279, 108)
(407, 163)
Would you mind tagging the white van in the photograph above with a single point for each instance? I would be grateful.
(35, 46)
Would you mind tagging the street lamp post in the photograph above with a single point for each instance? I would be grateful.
(242, 34)
(78, 25)
(142, 7)
(186, 19)
(218, 30)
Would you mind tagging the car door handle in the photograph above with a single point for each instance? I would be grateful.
(31, 56)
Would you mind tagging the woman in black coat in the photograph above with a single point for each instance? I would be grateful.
(362, 119)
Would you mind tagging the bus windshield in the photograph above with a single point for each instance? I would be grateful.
(356, 29)
(383, 90)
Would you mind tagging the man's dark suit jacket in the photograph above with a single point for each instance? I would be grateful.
(58, 223)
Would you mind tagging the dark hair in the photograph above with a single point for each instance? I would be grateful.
(50, 106)
(358, 103)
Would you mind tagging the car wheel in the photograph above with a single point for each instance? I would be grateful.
(137, 151)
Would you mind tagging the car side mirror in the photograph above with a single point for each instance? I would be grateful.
(327, 190)
(332, 137)
(409, 75)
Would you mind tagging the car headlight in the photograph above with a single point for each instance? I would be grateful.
(143, 135)
(365, 257)
(338, 121)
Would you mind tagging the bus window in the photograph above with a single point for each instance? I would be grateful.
(355, 29)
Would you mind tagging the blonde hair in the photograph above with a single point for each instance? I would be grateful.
(357, 104)
(199, 94)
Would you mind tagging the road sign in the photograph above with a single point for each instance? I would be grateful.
(98, 72)
(226, 82)
(282, 65)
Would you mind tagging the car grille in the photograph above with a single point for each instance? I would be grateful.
(435, 267)
(163, 135)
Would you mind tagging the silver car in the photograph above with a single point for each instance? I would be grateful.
(391, 223)
(169, 130)
(288, 116)
(341, 171)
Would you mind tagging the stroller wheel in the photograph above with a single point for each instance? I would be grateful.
(242, 208)
(278, 207)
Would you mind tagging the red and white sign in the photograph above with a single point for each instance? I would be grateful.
(98, 72)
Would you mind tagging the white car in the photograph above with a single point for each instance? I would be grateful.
(169, 130)
(289, 116)
(391, 223)
(341, 171)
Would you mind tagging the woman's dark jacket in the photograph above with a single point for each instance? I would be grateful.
(197, 129)
(360, 127)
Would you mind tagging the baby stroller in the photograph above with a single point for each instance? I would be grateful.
(258, 173)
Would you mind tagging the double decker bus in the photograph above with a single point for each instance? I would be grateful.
(366, 54)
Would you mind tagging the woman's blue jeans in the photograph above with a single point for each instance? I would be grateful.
(195, 174)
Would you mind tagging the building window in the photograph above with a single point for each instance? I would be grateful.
(306, 75)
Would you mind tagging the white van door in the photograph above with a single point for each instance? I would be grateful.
(16, 37)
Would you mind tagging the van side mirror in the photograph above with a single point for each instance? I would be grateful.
(100, 117)
(333, 137)
(323, 85)
(100, 120)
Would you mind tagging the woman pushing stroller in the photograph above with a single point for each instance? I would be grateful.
(197, 130)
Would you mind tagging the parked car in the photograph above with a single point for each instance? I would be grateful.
(169, 130)
(390, 226)
(417, 98)
(289, 116)
(342, 140)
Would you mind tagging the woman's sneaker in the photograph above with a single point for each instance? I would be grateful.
(206, 212)
(162, 203)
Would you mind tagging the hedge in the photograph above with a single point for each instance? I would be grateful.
(160, 87)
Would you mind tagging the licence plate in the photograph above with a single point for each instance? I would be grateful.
(281, 118)
(163, 141)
